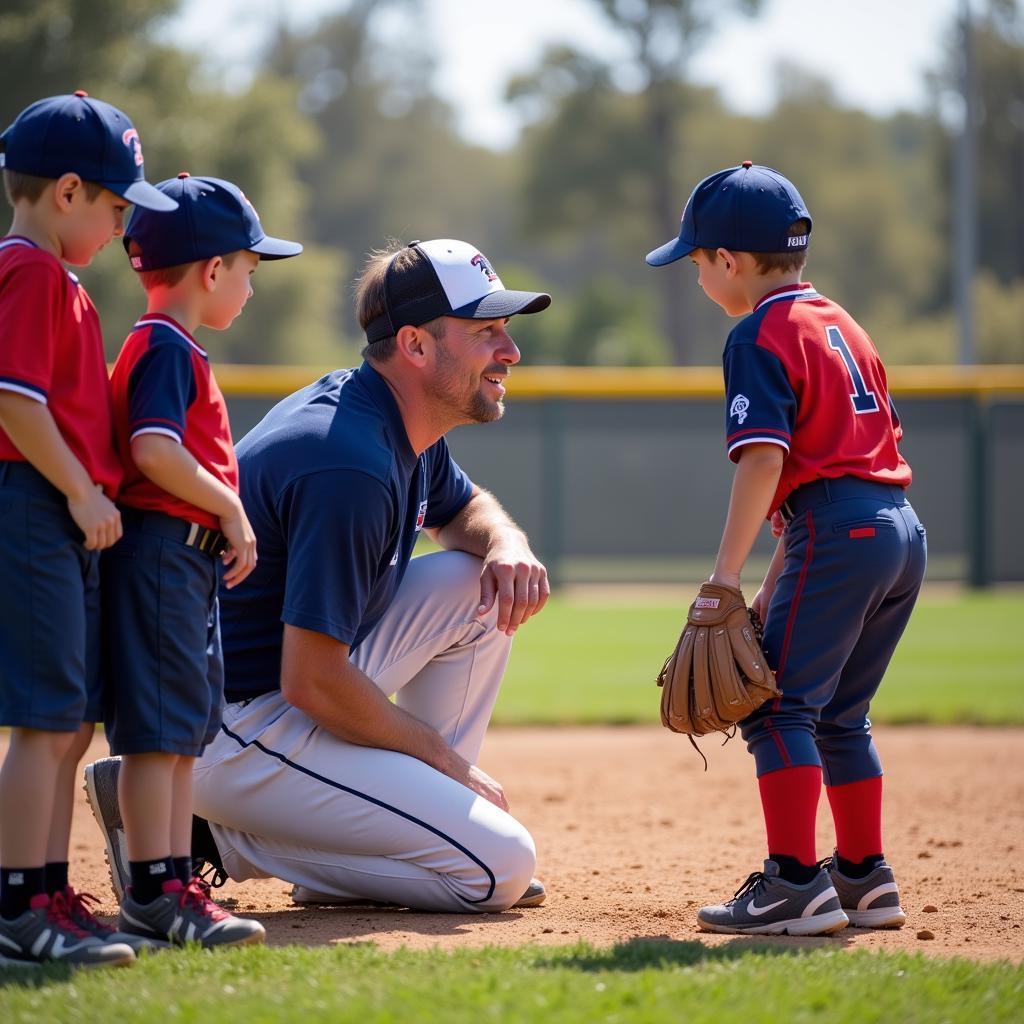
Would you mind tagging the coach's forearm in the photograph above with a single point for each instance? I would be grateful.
(481, 524)
(318, 678)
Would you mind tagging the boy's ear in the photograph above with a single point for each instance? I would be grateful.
(728, 259)
(66, 188)
(210, 272)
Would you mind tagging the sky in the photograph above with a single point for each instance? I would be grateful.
(873, 52)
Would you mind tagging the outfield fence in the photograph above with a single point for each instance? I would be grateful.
(621, 474)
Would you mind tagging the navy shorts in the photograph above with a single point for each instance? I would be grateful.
(855, 559)
(49, 608)
(161, 639)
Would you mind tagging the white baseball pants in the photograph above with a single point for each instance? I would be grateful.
(287, 799)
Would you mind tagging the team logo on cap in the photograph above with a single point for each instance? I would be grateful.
(480, 262)
(739, 407)
(248, 202)
(131, 139)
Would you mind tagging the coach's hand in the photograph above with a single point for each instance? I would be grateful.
(514, 577)
(474, 778)
(240, 557)
(97, 517)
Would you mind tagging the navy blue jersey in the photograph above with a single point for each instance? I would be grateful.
(336, 497)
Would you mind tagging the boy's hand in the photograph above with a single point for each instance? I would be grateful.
(762, 599)
(97, 517)
(241, 556)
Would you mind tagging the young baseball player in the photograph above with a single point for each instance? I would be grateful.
(814, 434)
(182, 514)
(72, 166)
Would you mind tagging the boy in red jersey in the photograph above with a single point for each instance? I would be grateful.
(813, 431)
(181, 513)
(72, 166)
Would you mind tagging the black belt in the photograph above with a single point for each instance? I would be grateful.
(192, 535)
(821, 492)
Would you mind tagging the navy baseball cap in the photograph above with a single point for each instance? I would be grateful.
(85, 136)
(746, 209)
(212, 217)
(450, 278)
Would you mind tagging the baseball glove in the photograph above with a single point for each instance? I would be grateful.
(717, 674)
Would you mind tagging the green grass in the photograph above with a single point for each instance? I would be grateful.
(637, 981)
(961, 660)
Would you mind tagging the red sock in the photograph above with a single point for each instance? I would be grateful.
(857, 812)
(789, 799)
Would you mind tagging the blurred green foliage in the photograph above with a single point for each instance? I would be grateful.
(341, 143)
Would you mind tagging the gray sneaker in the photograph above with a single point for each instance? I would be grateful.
(79, 908)
(46, 934)
(766, 904)
(870, 902)
(101, 792)
(185, 913)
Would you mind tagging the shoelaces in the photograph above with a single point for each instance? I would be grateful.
(197, 896)
(59, 913)
(78, 904)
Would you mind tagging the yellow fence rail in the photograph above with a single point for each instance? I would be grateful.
(598, 382)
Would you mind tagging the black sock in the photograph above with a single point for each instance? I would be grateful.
(792, 870)
(148, 877)
(17, 887)
(861, 868)
(56, 876)
(183, 869)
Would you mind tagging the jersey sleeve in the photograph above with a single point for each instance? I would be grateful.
(449, 487)
(336, 527)
(161, 387)
(760, 405)
(29, 310)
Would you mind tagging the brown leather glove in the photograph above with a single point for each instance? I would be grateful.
(717, 675)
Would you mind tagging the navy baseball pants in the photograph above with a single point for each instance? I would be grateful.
(855, 555)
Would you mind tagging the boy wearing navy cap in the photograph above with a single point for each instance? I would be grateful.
(72, 166)
(814, 433)
(181, 513)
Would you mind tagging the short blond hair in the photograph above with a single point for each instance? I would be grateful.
(767, 262)
(30, 187)
(168, 277)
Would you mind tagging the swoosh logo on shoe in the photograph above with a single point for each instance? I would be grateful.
(754, 910)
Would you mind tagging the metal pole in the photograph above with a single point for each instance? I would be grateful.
(965, 230)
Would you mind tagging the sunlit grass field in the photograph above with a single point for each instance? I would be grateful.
(638, 981)
(594, 660)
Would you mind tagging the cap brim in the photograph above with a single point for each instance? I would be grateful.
(669, 253)
(495, 305)
(275, 248)
(141, 193)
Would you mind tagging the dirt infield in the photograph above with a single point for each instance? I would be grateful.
(633, 836)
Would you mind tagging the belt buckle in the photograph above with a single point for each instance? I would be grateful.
(210, 542)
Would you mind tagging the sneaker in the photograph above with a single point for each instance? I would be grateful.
(185, 913)
(46, 934)
(766, 904)
(101, 792)
(304, 897)
(533, 897)
(79, 909)
(869, 902)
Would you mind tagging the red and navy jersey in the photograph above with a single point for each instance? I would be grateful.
(801, 373)
(51, 350)
(163, 384)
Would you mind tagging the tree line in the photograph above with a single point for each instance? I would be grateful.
(340, 142)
